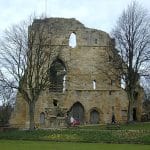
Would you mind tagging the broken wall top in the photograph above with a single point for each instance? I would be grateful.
(60, 29)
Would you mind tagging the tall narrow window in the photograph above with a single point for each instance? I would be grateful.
(113, 109)
(42, 118)
(64, 83)
(94, 84)
(112, 82)
(95, 41)
(122, 82)
(110, 58)
(110, 92)
(55, 102)
(73, 40)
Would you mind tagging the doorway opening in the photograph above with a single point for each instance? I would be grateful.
(94, 117)
(77, 112)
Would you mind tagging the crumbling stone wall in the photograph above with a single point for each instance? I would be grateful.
(84, 65)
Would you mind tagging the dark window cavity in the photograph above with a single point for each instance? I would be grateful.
(112, 82)
(57, 75)
(96, 41)
(55, 102)
(110, 92)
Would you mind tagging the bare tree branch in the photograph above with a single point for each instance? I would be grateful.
(132, 35)
(26, 55)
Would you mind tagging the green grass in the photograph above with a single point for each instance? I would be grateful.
(134, 126)
(36, 145)
(81, 135)
(127, 134)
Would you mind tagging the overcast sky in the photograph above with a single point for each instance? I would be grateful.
(100, 14)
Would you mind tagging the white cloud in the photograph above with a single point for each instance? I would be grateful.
(101, 14)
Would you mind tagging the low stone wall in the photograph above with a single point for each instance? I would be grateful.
(56, 122)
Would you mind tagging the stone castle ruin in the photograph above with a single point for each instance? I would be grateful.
(78, 87)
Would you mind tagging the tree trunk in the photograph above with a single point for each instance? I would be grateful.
(130, 106)
(31, 115)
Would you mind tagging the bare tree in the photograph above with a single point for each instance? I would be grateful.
(7, 99)
(146, 85)
(5, 113)
(7, 95)
(132, 35)
(25, 55)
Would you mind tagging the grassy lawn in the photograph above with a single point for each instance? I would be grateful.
(36, 145)
(137, 133)
(134, 126)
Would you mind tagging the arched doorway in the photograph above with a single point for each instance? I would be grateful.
(77, 112)
(42, 118)
(94, 117)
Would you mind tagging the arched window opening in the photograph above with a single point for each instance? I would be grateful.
(57, 75)
(94, 84)
(73, 40)
(42, 118)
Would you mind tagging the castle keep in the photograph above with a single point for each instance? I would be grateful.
(79, 86)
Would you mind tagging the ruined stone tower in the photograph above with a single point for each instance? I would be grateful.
(79, 86)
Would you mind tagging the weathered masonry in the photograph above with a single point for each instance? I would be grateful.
(79, 86)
